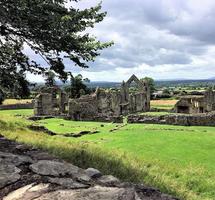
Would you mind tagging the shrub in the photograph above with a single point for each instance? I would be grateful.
(2, 96)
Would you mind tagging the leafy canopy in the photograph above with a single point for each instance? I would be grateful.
(151, 83)
(51, 30)
(77, 86)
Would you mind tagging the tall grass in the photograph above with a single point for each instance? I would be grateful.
(188, 183)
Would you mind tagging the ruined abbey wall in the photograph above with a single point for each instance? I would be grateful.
(109, 104)
(103, 105)
(196, 104)
(204, 119)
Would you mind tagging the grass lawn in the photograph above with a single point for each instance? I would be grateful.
(176, 159)
(155, 113)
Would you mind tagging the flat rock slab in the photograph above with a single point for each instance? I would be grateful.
(54, 168)
(68, 183)
(9, 173)
(28, 192)
(109, 180)
(94, 193)
(93, 173)
(15, 159)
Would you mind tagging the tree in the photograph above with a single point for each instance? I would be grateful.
(14, 83)
(49, 78)
(2, 96)
(51, 30)
(151, 83)
(23, 90)
(77, 86)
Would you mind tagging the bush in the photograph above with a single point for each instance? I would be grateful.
(2, 96)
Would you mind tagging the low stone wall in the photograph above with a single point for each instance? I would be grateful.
(17, 106)
(99, 119)
(207, 119)
(160, 110)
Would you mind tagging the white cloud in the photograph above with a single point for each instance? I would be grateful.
(158, 38)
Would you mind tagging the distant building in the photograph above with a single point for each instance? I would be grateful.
(192, 104)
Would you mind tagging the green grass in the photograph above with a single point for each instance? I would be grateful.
(163, 107)
(64, 126)
(22, 112)
(178, 160)
(155, 113)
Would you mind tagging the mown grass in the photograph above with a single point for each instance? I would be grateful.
(155, 113)
(178, 160)
(65, 126)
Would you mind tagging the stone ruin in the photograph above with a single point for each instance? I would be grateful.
(51, 101)
(196, 104)
(103, 105)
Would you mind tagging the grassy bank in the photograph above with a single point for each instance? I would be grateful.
(178, 160)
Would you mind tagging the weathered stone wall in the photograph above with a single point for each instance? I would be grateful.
(16, 106)
(196, 104)
(50, 101)
(83, 108)
(43, 104)
(210, 100)
(102, 105)
(87, 109)
(206, 119)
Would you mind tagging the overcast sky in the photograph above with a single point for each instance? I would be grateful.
(163, 39)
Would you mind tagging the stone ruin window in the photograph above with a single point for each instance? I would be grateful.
(183, 109)
(133, 87)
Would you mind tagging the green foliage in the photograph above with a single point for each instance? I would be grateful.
(2, 96)
(77, 86)
(14, 83)
(50, 78)
(21, 87)
(151, 83)
(51, 30)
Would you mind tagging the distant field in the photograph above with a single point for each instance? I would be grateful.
(163, 104)
(176, 159)
(16, 101)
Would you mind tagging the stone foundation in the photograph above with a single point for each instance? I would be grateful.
(206, 119)
(16, 106)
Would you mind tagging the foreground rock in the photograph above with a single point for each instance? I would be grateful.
(8, 174)
(30, 174)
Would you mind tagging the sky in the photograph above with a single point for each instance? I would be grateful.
(162, 39)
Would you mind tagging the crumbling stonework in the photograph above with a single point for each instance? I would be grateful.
(196, 104)
(110, 104)
(103, 105)
(50, 101)
(203, 119)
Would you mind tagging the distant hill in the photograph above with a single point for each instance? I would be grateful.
(213, 78)
(104, 84)
(159, 83)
